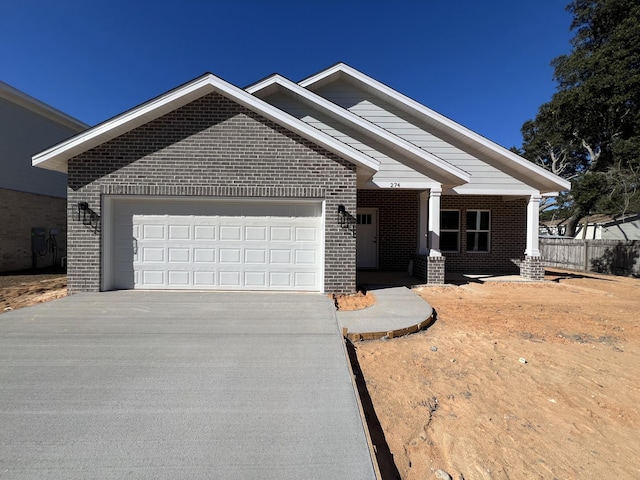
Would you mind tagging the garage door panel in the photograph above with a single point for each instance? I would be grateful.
(153, 277)
(204, 232)
(281, 234)
(179, 278)
(255, 279)
(179, 232)
(204, 255)
(230, 255)
(255, 233)
(280, 280)
(187, 249)
(230, 233)
(153, 232)
(204, 279)
(254, 256)
(230, 279)
(152, 254)
(179, 255)
(282, 256)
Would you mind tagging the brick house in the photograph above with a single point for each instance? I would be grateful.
(289, 186)
(31, 197)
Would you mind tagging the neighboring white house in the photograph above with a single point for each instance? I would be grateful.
(598, 227)
(30, 197)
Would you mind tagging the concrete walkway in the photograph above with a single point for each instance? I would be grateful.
(397, 311)
(167, 385)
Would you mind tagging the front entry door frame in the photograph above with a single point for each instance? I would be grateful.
(367, 238)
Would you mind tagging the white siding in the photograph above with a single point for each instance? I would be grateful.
(23, 133)
(391, 170)
(382, 113)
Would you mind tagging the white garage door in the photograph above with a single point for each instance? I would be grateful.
(200, 244)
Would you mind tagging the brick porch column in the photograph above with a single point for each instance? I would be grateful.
(435, 270)
(430, 236)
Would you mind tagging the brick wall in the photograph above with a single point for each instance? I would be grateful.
(398, 212)
(508, 234)
(211, 147)
(19, 212)
(532, 269)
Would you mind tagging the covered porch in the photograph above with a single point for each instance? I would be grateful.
(432, 236)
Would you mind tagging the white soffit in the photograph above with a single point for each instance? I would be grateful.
(409, 154)
(56, 157)
(513, 164)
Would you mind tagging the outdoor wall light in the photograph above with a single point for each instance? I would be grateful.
(346, 220)
(88, 216)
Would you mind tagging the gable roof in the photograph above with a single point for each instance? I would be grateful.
(13, 95)
(514, 165)
(56, 157)
(411, 155)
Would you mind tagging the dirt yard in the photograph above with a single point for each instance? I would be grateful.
(514, 381)
(21, 290)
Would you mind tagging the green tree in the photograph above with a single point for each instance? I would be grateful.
(589, 131)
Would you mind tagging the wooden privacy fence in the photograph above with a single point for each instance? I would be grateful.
(604, 256)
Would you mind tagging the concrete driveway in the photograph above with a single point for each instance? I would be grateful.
(166, 385)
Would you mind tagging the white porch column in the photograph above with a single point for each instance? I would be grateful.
(434, 222)
(533, 220)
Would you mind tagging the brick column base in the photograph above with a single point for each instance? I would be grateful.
(429, 270)
(531, 268)
(435, 270)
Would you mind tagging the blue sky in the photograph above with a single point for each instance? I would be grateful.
(484, 64)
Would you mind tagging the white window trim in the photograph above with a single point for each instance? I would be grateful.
(478, 230)
(449, 230)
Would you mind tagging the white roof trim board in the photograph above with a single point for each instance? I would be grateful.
(413, 156)
(527, 172)
(56, 157)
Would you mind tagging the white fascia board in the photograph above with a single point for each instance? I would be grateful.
(57, 156)
(492, 191)
(28, 102)
(325, 74)
(405, 102)
(450, 173)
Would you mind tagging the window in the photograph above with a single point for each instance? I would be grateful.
(363, 218)
(449, 230)
(478, 229)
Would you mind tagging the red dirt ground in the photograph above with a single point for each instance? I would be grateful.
(458, 397)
